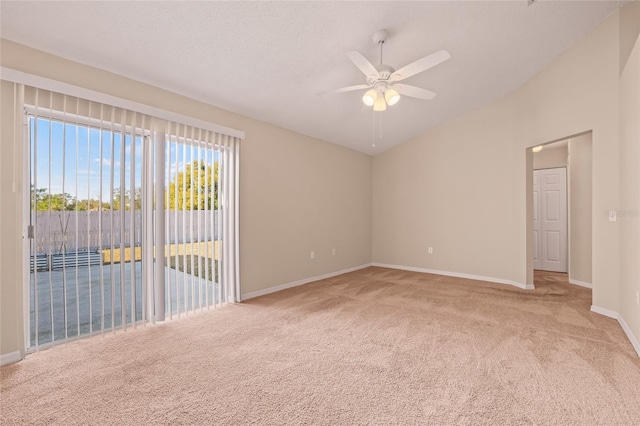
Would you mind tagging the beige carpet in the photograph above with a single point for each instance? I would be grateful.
(376, 346)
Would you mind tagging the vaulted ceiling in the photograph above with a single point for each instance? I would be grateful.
(268, 60)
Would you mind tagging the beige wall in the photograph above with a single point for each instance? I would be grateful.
(450, 189)
(462, 187)
(629, 222)
(577, 93)
(298, 193)
(551, 157)
(580, 213)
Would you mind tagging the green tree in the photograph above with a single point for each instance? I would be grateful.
(92, 205)
(190, 186)
(54, 202)
(66, 202)
(137, 199)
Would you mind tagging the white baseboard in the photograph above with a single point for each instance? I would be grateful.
(10, 358)
(457, 275)
(605, 312)
(627, 330)
(580, 283)
(269, 290)
(632, 338)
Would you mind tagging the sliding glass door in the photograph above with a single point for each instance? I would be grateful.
(131, 219)
(192, 221)
(86, 224)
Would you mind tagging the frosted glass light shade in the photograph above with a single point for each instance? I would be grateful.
(370, 97)
(391, 96)
(537, 149)
(380, 104)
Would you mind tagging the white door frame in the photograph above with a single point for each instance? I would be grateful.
(529, 277)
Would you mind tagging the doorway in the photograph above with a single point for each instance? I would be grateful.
(574, 155)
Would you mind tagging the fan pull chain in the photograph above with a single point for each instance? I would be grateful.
(373, 129)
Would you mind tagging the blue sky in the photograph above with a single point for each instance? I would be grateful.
(68, 158)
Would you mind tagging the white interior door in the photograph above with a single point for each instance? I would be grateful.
(550, 219)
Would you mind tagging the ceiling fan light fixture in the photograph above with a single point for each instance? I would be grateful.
(381, 79)
(391, 96)
(380, 104)
(370, 97)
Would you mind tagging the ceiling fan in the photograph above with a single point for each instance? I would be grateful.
(383, 80)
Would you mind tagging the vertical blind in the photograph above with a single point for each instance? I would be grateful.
(132, 218)
(201, 217)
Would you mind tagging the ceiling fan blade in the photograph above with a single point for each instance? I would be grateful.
(362, 63)
(345, 89)
(414, 92)
(420, 65)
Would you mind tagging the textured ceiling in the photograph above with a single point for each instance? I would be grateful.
(268, 60)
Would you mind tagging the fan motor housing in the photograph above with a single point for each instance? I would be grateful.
(380, 36)
(384, 72)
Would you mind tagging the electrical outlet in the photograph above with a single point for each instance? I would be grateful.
(430, 250)
(313, 255)
(637, 297)
(613, 216)
(333, 252)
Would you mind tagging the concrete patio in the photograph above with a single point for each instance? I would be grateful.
(105, 311)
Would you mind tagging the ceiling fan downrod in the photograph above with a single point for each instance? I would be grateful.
(379, 38)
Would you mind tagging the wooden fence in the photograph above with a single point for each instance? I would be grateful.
(70, 231)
